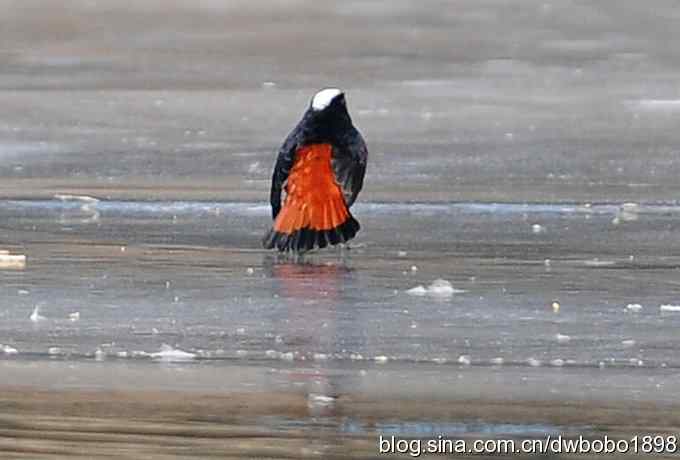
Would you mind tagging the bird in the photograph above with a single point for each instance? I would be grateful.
(320, 168)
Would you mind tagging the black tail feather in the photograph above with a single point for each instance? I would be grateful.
(306, 239)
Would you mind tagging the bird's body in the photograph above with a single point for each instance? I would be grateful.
(321, 168)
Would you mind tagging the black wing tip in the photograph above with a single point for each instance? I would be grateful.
(306, 239)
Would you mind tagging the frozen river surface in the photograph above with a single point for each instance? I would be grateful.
(578, 287)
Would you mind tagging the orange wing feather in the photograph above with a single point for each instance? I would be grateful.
(314, 199)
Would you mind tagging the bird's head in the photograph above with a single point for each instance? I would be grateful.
(327, 114)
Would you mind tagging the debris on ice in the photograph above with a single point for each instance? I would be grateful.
(171, 354)
(36, 316)
(670, 308)
(634, 307)
(438, 288)
(75, 316)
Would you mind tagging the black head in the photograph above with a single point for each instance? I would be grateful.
(327, 115)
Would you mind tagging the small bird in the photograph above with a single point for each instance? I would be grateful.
(320, 167)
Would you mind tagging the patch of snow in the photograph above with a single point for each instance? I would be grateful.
(561, 338)
(634, 307)
(36, 316)
(533, 362)
(438, 288)
(8, 350)
(670, 308)
(16, 261)
(170, 354)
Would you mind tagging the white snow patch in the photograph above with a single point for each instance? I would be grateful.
(659, 104)
(670, 308)
(598, 263)
(557, 362)
(323, 98)
(320, 400)
(272, 354)
(497, 361)
(634, 307)
(8, 350)
(75, 316)
(464, 360)
(170, 354)
(438, 288)
(562, 338)
(628, 212)
(36, 316)
(381, 359)
(628, 343)
(537, 228)
(17, 261)
(533, 362)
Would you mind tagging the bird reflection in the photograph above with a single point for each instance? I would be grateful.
(313, 294)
